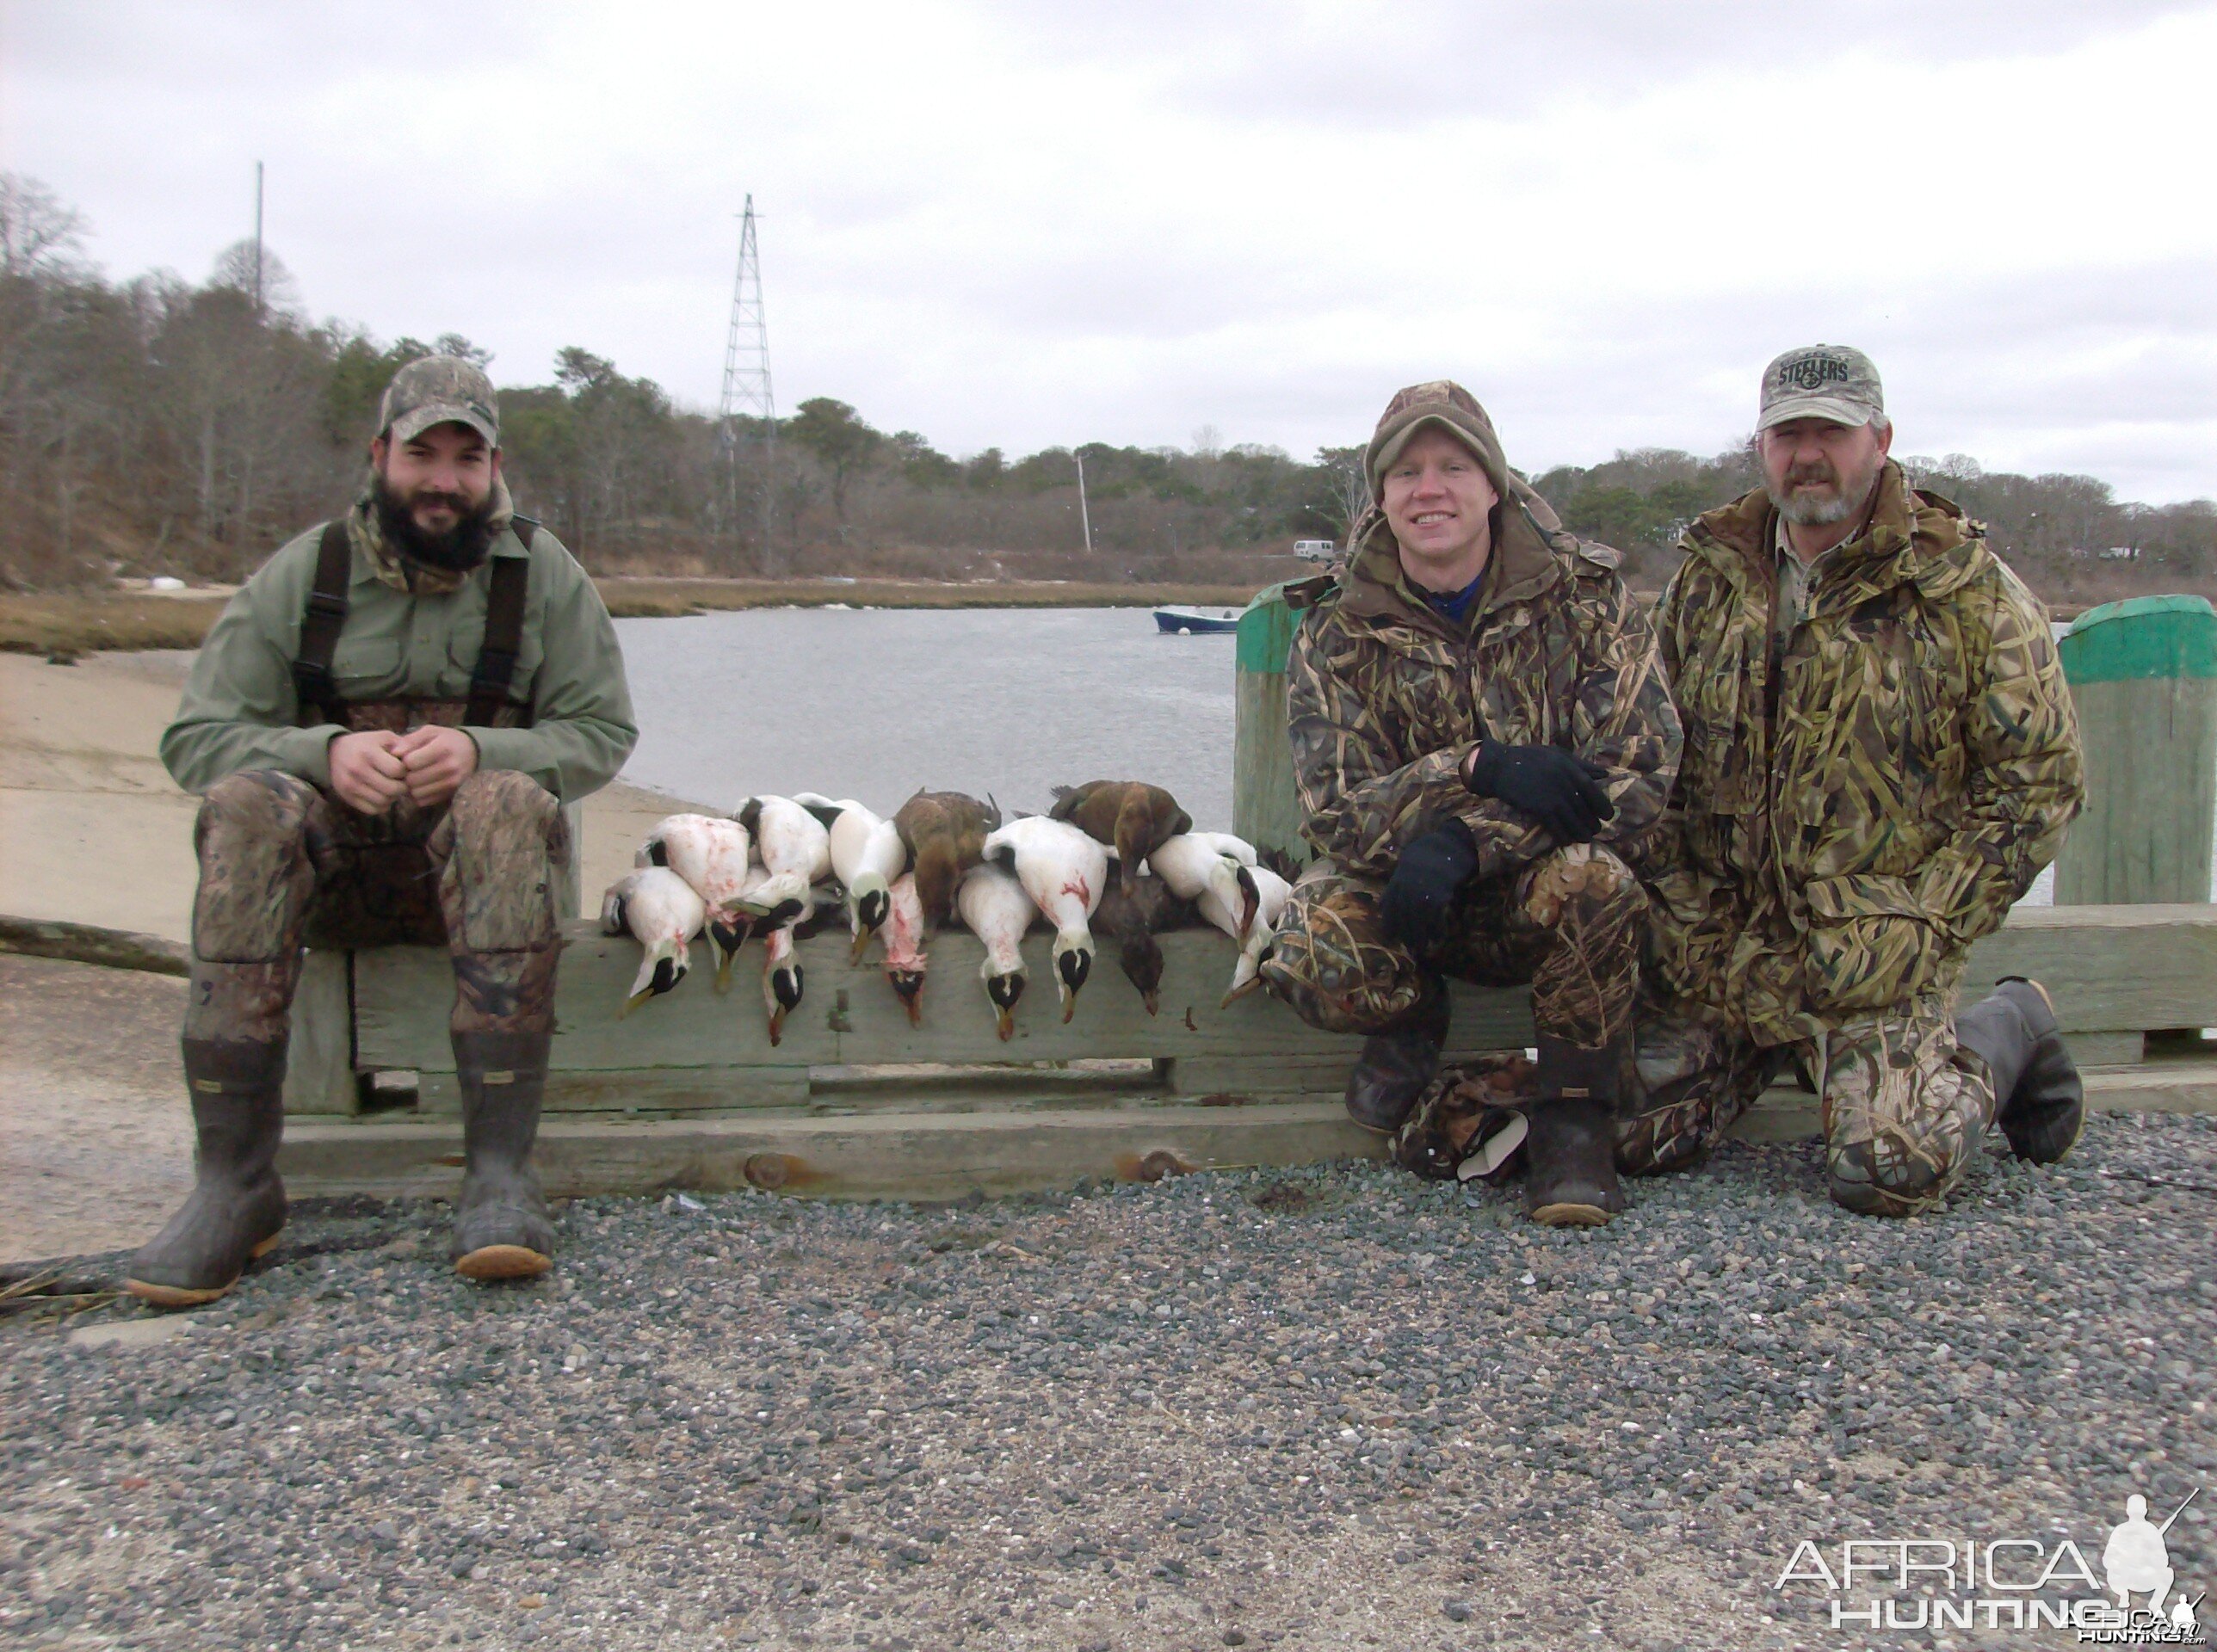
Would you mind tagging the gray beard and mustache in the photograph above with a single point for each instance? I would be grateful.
(1822, 510)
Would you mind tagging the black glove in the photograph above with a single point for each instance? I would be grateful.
(1418, 905)
(1557, 787)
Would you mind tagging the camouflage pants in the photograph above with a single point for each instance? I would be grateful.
(1570, 924)
(1901, 1105)
(284, 865)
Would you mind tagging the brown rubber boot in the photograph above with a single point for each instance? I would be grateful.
(502, 1229)
(1570, 1177)
(236, 1208)
(2040, 1101)
(1394, 1067)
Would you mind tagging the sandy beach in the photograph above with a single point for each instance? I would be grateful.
(94, 1144)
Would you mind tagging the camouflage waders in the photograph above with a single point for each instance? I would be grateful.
(284, 865)
(1902, 1105)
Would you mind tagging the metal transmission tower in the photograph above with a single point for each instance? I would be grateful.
(747, 392)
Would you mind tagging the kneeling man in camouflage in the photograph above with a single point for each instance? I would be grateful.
(1880, 756)
(1482, 740)
(384, 725)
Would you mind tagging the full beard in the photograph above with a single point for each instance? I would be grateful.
(1814, 496)
(456, 550)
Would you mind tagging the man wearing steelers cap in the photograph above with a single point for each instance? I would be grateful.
(1880, 756)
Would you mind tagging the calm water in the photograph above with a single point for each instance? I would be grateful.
(872, 704)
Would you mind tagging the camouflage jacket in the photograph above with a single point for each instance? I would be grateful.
(1385, 696)
(1844, 828)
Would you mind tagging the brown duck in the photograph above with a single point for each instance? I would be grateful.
(1131, 817)
(944, 832)
(1135, 919)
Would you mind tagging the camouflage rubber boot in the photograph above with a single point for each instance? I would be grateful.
(1394, 1067)
(2039, 1102)
(236, 1208)
(1570, 1176)
(502, 1229)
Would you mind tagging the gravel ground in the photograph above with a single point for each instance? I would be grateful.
(1326, 1408)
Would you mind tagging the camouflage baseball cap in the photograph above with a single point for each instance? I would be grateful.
(1821, 381)
(438, 389)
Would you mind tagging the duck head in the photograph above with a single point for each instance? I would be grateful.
(727, 933)
(782, 988)
(1004, 990)
(873, 903)
(662, 967)
(1140, 956)
(908, 987)
(1073, 962)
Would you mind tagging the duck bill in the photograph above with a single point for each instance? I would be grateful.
(776, 1025)
(1153, 1000)
(1069, 1004)
(1241, 989)
(634, 1002)
(1004, 1021)
(908, 987)
(1250, 901)
(859, 945)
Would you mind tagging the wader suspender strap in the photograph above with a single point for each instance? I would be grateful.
(320, 623)
(503, 631)
(325, 616)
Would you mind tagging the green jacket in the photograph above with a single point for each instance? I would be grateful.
(1385, 697)
(239, 711)
(1842, 835)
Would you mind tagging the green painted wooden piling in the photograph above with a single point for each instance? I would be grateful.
(2143, 674)
(1265, 810)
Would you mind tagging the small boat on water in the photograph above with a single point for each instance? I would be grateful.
(1180, 622)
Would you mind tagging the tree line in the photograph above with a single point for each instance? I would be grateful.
(155, 425)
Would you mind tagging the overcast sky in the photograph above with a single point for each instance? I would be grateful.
(1017, 226)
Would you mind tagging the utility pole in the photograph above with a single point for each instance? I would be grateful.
(747, 382)
(1084, 517)
(258, 240)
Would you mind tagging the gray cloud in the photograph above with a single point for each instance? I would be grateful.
(1019, 226)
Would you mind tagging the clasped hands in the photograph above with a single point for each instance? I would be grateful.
(374, 770)
(1553, 784)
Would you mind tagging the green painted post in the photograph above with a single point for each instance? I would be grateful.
(2143, 674)
(1265, 810)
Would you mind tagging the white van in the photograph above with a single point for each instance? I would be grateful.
(1312, 549)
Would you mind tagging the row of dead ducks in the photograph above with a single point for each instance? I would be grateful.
(1116, 857)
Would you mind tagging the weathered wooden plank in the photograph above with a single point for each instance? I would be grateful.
(2144, 675)
(940, 1157)
(1265, 807)
(849, 1015)
(319, 1069)
(647, 1092)
(948, 1155)
(2111, 969)
(568, 896)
